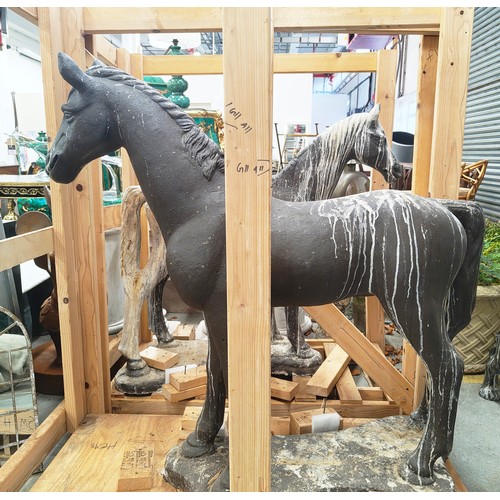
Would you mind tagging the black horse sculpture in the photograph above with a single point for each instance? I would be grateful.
(411, 252)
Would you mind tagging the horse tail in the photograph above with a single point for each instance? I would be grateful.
(463, 288)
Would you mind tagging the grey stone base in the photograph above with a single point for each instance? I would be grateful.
(365, 458)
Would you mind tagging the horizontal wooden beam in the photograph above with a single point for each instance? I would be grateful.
(338, 62)
(21, 465)
(112, 216)
(375, 20)
(28, 13)
(151, 19)
(19, 249)
(378, 20)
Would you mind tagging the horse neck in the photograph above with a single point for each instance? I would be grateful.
(315, 172)
(170, 178)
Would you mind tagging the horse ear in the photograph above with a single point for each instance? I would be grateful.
(97, 63)
(71, 72)
(375, 111)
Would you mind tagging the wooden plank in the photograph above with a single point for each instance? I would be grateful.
(381, 20)
(283, 389)
(409, 361)
(106, 51)
(159, 358)
(390, 20)
(92, 457)
(172, 395)
(459, 484)
(78, 238)
(192, 378)
(136, 471)
(302, 394)
(157, 405)
(280, 426)
(112, 216)
(426, 93)
(326, 376)
(151, 19)
(338, 62)
(16, 471)
(28, 13)
(364, 353)
(184, 332)
(371, 393)
(283, 63)
(248, 43)
(451, 96)
(301, 422)
(25, 421)
(346, 388)
(19, 249)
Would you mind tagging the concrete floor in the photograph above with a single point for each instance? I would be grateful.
(476, 450)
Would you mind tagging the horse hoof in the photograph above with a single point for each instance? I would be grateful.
(489, 394)
(418, 418)
(412, 477)
(192, 448)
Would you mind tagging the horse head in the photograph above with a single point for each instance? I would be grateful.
(85, 132)
(372, 148)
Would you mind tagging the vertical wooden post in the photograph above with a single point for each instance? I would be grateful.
(248, 52)
(384, 95)
(451, 95)
(413, 367)
(78, 239)
(426, 93)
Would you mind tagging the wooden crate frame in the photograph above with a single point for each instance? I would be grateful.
(79, 219)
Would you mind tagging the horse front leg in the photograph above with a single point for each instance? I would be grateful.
(489, 389)
(201, 440)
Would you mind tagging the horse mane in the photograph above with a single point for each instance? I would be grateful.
(205, 151)
(324, 158)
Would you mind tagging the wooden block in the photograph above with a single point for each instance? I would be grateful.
(371, 393)
(25, 422)
(323, 381)
(283, 389)
(185, 332)
(177, 369)
(159, 358)
(172, 395)
(192, 378)
(346, 388)
(190, 417)
(302, 394)
(136, 471)
(328, 348)
(301, 422)
(347, 423)
(280, 426)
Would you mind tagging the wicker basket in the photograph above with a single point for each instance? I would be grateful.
(475, 341)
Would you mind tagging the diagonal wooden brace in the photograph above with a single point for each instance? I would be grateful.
(366, 355)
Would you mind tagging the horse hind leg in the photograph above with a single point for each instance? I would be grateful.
(490, 390)
(445, 371)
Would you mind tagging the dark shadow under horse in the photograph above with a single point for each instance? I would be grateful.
(413, 253)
